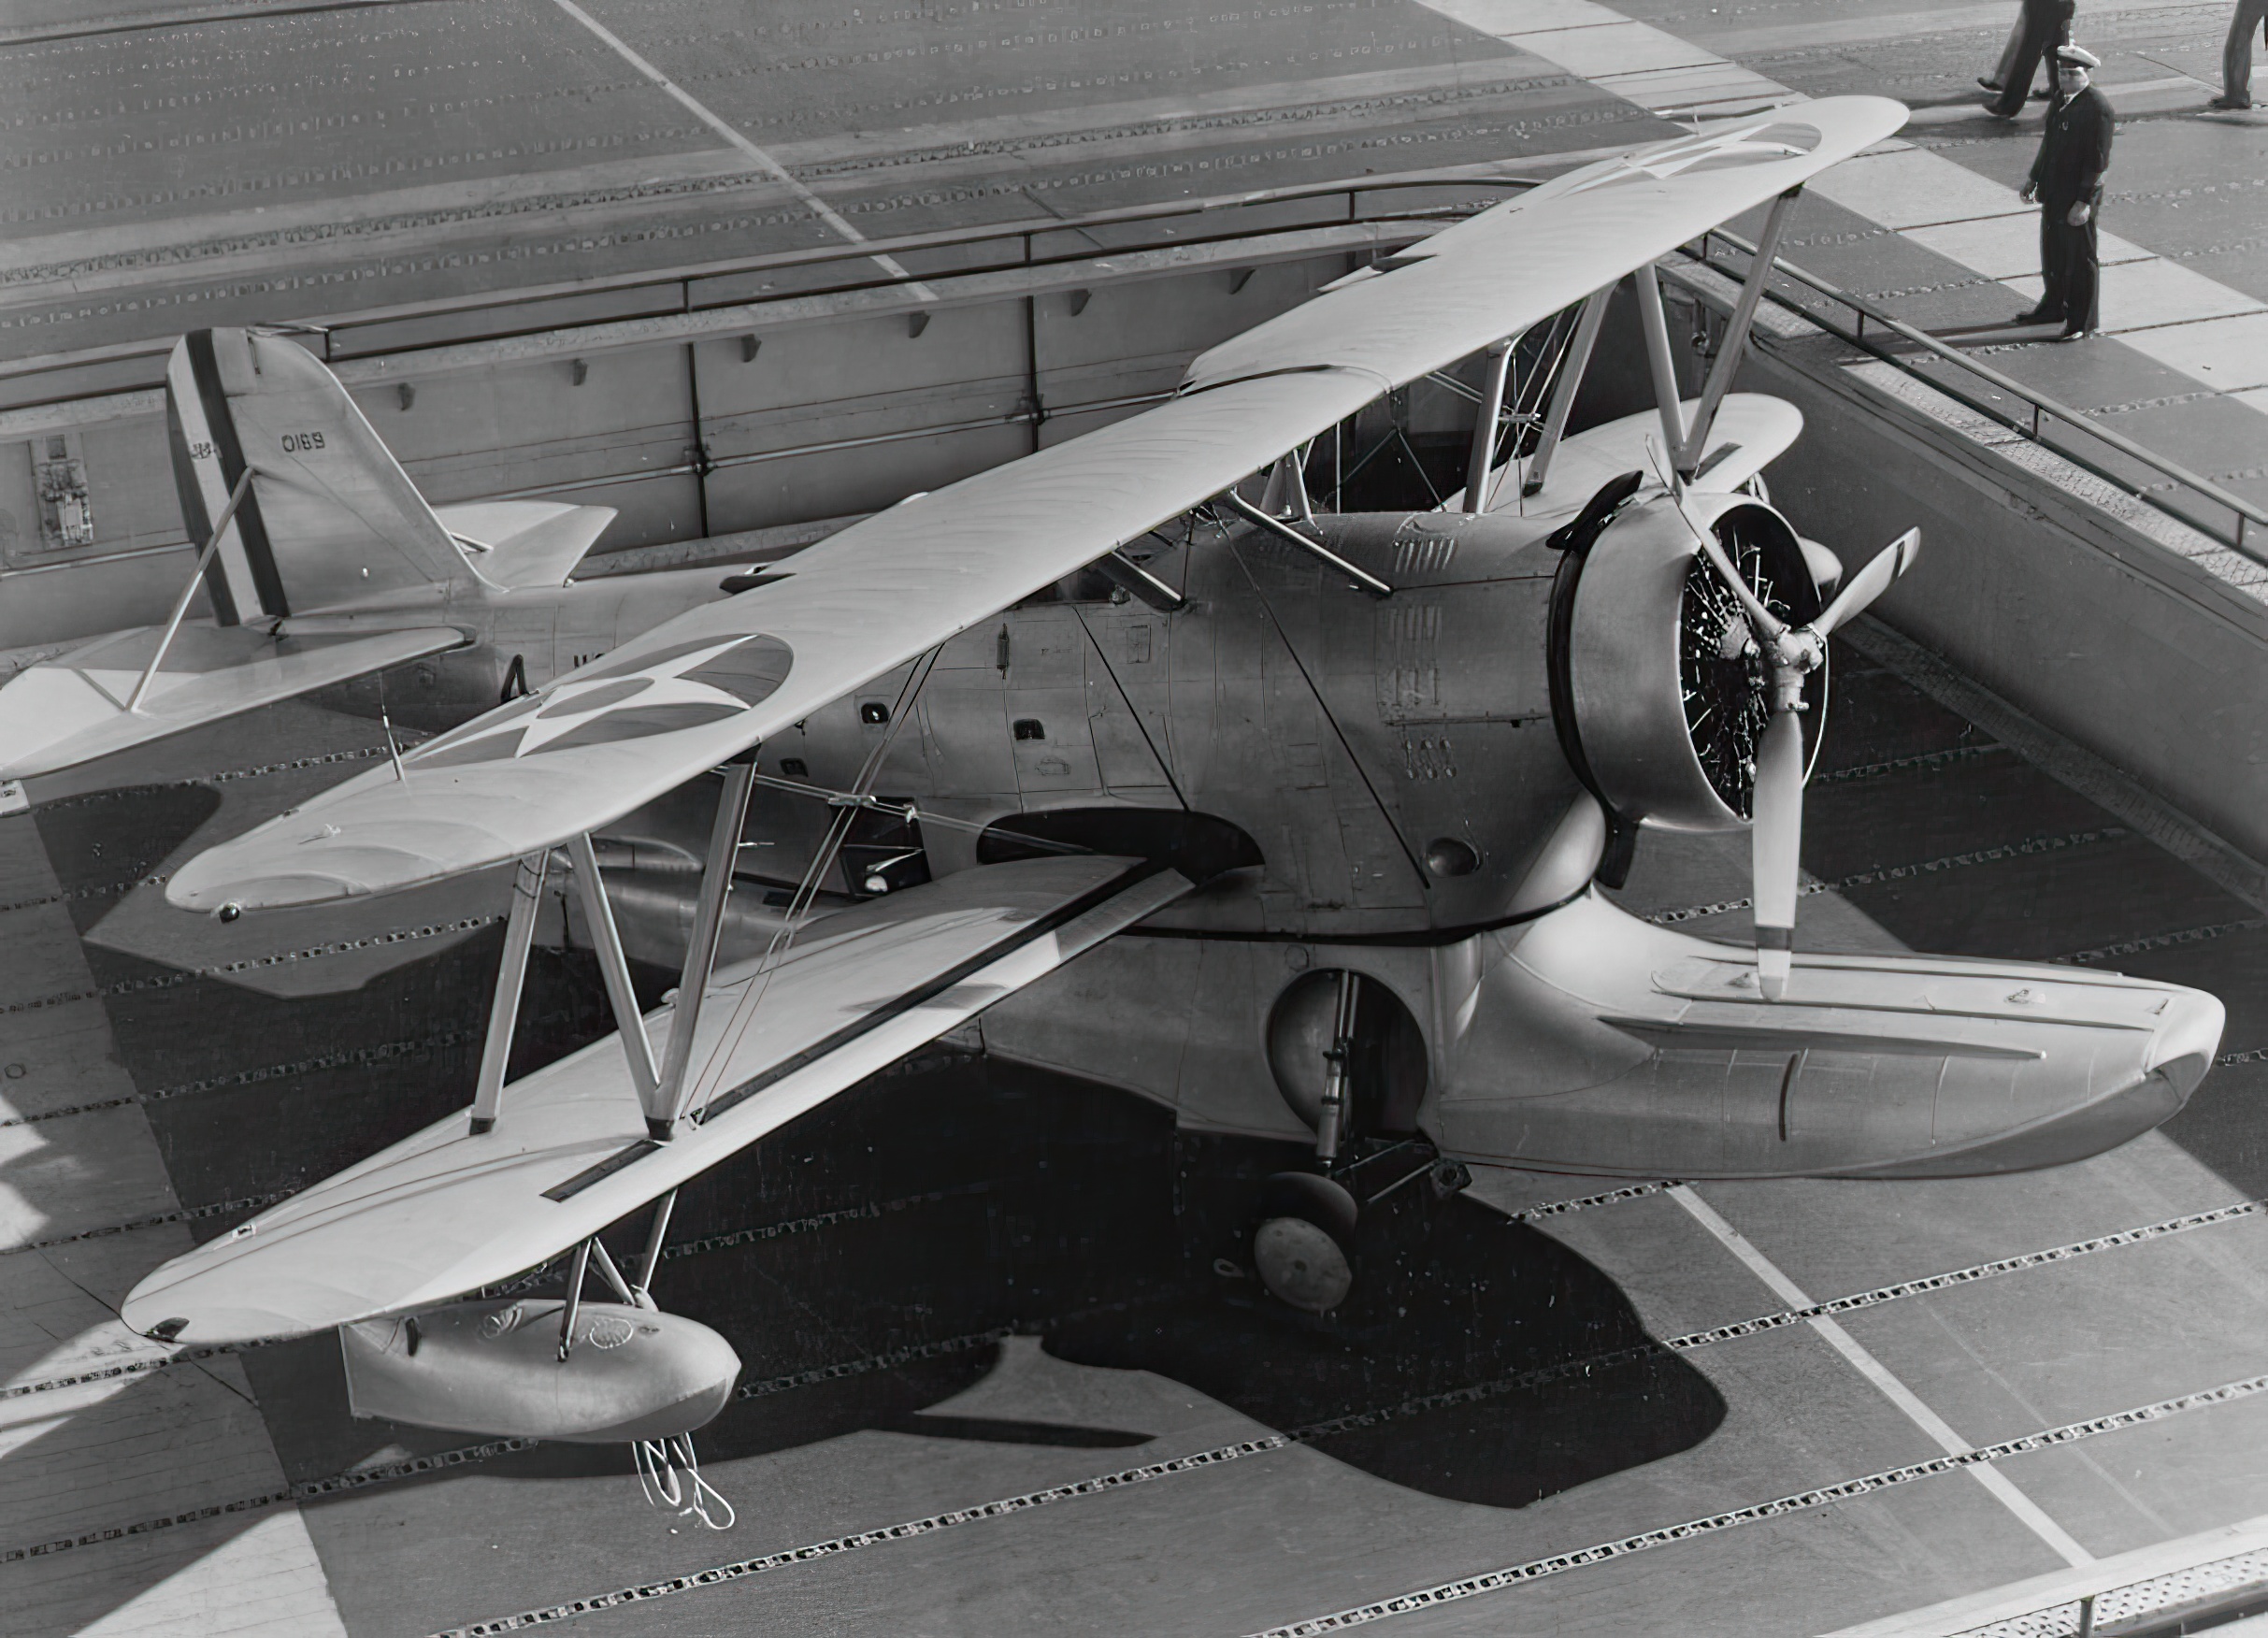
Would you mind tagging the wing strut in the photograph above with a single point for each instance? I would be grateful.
(1481, 466)
(702, 951)
(1736, 334)
(1364, 580)
(504, 1008)
(1668, 400)
(1129, 576)
(1571, 382)
(621, 994)
(196, 578)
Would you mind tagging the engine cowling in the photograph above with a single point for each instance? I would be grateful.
(1658, 692)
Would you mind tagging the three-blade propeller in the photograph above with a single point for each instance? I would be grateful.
(1791, 654)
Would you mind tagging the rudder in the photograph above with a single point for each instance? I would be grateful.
(331, 518)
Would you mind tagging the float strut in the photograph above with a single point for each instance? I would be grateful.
(653, 1258)
(612, 1275)
(574, 1298)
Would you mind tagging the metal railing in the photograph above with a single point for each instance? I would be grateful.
(940, 254)
(2036, 416)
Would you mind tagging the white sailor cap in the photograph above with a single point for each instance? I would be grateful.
(2078, 55)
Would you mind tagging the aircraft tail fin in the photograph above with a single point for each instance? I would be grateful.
(331, 518)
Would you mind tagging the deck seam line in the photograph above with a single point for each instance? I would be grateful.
(1536, 1569)
(1308, 1432)
(732, 134)
(1996, 854)
(1916, 1410)
(1221, 1455)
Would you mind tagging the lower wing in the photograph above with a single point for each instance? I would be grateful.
(74, 708)
(445, 1212)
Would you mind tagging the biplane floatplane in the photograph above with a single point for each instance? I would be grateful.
(1300, 835)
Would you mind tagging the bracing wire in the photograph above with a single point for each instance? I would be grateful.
(799, 903)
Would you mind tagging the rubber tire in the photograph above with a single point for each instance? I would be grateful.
(1304, 1247)
(1327, 1204)
(1301, 1264)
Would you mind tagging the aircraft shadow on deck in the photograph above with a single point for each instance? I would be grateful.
(965, 1196)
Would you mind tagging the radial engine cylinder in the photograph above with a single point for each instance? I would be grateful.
(495, 1368)
(1658, 693)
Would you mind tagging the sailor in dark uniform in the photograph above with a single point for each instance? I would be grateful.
(2067, 180)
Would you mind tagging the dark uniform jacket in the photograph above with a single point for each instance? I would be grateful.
(2076, 152)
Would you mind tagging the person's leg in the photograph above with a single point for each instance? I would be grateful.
(2050, 309)
(2251, 16)
(2039, 23)
(2082, 280)
(2007, 62)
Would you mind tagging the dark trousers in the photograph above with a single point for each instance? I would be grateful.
(2046, 24)
(2236, 53)
(2069, 284)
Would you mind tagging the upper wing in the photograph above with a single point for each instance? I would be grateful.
(443, 1213)
(697, 689)
(72, 709)
(1496, 273)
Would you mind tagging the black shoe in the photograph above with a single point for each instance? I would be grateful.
(1990, 85)
(2229, 104)
(2040, 95)
(2078, 333)
(2000, 113)
(2039, 316)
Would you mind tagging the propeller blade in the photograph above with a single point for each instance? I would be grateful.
(1768, 626)
(1871, 581)
(1775, 847)
(1763, 621)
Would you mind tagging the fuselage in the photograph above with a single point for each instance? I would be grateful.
(515, 641)
(1412, 818)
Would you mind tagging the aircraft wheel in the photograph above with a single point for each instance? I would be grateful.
(1304, 1247)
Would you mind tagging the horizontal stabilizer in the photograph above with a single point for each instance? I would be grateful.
(444, 1212)
(693, 691)
(72, 709)
(520, 544)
